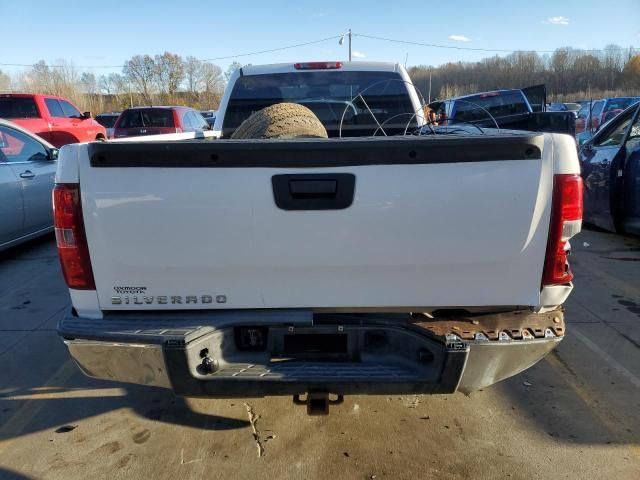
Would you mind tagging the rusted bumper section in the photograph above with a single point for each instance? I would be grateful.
(500, 345)
(513, 325)
(240, 354)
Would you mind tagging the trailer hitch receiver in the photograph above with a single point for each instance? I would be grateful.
(318, 402)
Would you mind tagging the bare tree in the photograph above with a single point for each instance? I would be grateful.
(106, 85)
(211, 78)
(568, 73)
(612, 63)
(141, 72)
(169, 72)
(193, 73)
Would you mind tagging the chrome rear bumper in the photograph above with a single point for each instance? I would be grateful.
(199, 355)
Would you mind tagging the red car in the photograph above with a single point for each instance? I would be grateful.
(138, 121)
(55, 119)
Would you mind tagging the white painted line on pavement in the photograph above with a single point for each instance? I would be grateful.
(613, 363)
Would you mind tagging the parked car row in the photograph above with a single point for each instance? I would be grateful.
(598, 112)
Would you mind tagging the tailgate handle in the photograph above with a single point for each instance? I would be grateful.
(308, 191)
(313, 188)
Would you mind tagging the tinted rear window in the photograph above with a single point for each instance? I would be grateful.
(499, 105)
(107, 121)
(17, 107)
(331, 96)
(146, 117)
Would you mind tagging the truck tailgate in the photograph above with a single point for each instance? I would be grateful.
(426, 222)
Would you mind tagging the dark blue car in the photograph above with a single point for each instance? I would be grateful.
(610, 163)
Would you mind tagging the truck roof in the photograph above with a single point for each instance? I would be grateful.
(32, 95)
(358, 66)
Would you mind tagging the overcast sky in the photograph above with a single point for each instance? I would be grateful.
(94, 34)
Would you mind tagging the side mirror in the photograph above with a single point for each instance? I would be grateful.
(53, 154)
(86, 115)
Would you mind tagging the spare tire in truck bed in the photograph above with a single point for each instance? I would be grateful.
(282, 120)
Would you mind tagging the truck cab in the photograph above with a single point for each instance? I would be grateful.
(350, 98)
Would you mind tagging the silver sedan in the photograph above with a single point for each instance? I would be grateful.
(27, 170)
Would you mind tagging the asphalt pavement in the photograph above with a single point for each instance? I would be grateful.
(574, 415)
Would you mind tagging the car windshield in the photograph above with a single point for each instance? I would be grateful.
(18, 107)
(497, 104)
(107, 121)
(146, 117)
(360, 100)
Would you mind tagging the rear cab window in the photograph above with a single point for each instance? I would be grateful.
(18, 107)
(146, 117)
(496, 104)
(333, 96)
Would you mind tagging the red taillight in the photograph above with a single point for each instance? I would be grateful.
(566, 221)
(71, 238)
(317, 65)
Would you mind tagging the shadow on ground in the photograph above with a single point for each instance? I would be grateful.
(59, 411)
(12, 475)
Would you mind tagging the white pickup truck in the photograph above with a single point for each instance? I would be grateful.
(364, 264)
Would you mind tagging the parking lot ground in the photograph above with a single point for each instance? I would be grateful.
(575, 415)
